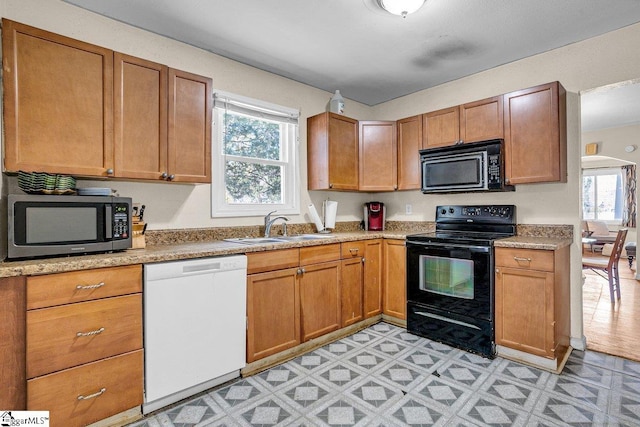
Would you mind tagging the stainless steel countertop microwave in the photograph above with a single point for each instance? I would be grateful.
(476, 166)
(51, 225)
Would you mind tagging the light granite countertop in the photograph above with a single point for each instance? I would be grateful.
(201, 249)
(533, 242)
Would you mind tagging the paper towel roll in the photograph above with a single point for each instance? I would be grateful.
(315, 217)
(331, 209)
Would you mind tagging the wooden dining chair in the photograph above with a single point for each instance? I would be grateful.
(610, 266)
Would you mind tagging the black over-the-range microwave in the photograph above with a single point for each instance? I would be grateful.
(476, 166)
(50, 225)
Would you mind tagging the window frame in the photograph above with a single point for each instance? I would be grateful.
(601, 171)
(290, 159)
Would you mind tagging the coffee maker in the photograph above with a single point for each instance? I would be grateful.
(374, 216)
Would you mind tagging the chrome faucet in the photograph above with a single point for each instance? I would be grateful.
(268, 222)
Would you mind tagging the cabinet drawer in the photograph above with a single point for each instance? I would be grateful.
(352, 249)
(272, 260)
(70, 335)
(85, 285)
(75, 397)
(318, 254)
(532, 259)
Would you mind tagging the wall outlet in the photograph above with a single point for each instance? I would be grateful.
(408, 209)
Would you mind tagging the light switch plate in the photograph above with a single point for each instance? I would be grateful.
(408, 209)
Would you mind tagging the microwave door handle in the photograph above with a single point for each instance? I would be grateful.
(108, 226)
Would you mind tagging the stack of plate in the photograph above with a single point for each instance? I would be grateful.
(46, 183)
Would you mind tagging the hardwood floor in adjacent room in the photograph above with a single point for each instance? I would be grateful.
(612, 328)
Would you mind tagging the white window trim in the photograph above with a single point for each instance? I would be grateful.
(291, 175)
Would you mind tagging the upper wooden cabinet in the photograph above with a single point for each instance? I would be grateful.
(190, 105)
(140, 117)
(409, 143)
(482, 120)
(441, 127)
(378, 154)
(75, 108)
(471, 122)
(58, 103)
(535, 134)
(332, 152)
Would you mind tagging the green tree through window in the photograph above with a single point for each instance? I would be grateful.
(254, 157)
(252, 139)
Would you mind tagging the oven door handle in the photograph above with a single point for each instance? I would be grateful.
(474, 248)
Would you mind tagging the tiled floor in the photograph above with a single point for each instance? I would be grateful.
(383, 376)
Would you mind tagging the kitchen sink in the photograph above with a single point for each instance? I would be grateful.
(254, 240)
(279, 239)
(303, 237)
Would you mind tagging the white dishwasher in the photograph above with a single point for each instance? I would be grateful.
(194, 326)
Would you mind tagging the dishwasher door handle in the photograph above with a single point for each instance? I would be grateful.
(201, 268)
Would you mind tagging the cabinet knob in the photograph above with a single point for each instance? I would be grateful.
(364, 260)
(330, 185)
(164, 175)
(109, 171)
(171, 177)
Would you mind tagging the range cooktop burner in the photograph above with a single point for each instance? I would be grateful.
(459, 237)
(477, 224)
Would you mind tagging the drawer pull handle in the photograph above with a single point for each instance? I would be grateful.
(517, 258)
(353, 251)
(85, 287)
(91, 396)
(90, 333)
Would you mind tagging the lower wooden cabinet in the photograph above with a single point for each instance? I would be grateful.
(532, 288)
(351, 295)
(84, 356)
(320, 299)
(394, 301)
(372, 278)
(273, 312)
(320, 290)
(91, 392)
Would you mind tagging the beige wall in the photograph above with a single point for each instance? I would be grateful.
(578, 67)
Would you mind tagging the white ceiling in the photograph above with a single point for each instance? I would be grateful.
(370, 55)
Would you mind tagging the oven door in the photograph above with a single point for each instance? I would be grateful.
(451, 278)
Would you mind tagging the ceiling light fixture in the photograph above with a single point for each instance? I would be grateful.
(401, 7)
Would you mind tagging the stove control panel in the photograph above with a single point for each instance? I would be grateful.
(477, 212)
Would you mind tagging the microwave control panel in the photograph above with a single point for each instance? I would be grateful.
(493, 168)
(120, 221)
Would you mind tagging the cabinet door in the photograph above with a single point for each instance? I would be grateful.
(394, 301)
(441, 127)
(13, 338)
(409, 144)
(482, 120)
(58, 103)
(525, 298)
(343, 152)
(273, 313)
(372, 281)
(351, 289)
(332, 152)
(89, 393)
(189, 146)
(320, 299)
(535, 135)
(140, 118)
(378, 156)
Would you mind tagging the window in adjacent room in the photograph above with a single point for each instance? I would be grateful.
(602, 194)
(255, 157)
